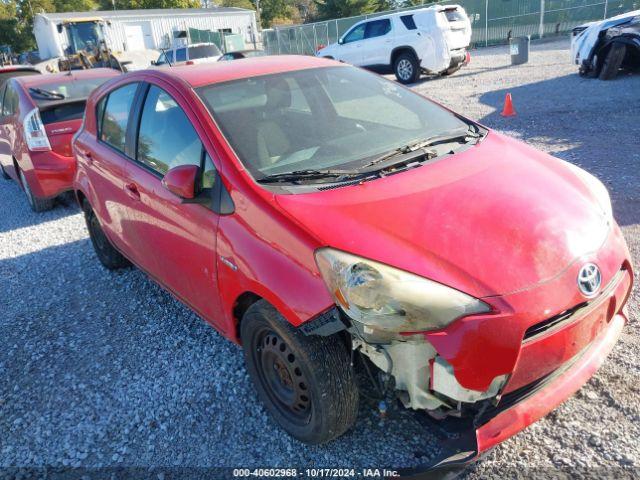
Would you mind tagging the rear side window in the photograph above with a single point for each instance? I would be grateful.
(203, 51)
(408, 22)
(166, 138)
(113, 129)
(378, 28)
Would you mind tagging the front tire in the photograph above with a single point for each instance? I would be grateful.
(305, 382)
(613, 61)
(407, 68)
(111, 258)
(37, 204)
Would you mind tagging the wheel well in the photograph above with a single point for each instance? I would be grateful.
(240, 307)
(80, 198)
(400, 50)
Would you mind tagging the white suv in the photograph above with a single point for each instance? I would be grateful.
(431, 40)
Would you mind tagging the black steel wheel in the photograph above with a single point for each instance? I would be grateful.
(282, 377)
(106, 253)
(305, 382)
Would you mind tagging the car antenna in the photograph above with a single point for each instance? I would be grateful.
(164, 51)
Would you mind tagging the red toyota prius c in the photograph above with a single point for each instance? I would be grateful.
(39, 114)
(327, 219)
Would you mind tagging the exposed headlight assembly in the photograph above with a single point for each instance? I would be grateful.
(389, 299)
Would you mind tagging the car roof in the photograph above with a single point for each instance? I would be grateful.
(34, 80)
(202, 74)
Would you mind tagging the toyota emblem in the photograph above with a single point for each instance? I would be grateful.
(589, 279)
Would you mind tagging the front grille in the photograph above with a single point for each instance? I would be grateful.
(552, 322)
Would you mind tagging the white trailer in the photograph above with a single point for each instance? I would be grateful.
(141, 30)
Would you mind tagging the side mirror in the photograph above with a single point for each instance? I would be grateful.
(181, 181)
(153, 62)
(341, 41)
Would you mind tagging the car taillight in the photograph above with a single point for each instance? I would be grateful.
(34, 133)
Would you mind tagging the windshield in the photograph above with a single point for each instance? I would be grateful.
(84, 36)
(324, 118)
(68, 90)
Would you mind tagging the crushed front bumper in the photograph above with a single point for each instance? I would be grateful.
(519, 409)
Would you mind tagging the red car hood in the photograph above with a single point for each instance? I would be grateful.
(497, 218)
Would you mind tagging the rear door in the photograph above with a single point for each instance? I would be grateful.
(178, 240)
(104, 158)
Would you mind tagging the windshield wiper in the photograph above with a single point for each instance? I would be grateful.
(47, 93)
(308, 175)
(415, 150)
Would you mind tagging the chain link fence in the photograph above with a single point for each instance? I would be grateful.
(492, 22)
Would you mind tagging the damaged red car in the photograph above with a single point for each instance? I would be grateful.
(317, 214)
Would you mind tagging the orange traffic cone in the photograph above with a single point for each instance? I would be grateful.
(508, 110)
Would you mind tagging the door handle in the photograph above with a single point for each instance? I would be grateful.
(132, 191)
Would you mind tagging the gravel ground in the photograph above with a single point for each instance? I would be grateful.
(103, 369)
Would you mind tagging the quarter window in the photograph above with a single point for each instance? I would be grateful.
(10, 101)
(408, 22)
(113, 130)
(378, 28)
(166, 138)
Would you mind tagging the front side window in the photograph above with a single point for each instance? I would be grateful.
(166, 138)
(356, 34)
(348, 117)
(377, 28)
(113, 128)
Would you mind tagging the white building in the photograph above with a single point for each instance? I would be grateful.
(139, 30)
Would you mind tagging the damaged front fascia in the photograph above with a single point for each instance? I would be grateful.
(424, 379)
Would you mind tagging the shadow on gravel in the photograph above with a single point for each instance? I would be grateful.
(593, 124)
(16, 213)
(104, 368)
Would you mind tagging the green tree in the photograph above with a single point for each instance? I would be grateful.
(328, 9)
(75, 5)
(247, 4)
(144, 4)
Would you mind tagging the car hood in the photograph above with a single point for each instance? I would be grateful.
(495, 219)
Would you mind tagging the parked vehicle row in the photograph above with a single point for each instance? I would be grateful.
(39, 114)
(432, 40)
(324, 217)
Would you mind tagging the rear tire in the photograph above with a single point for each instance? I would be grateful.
(37, 204)
(111, 258)
(305, 382)
(407, 68)
(613, 61)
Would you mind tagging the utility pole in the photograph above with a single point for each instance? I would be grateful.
(258, 20)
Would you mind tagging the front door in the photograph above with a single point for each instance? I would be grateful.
(350, 50)
(177, 239)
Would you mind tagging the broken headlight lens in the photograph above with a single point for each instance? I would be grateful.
(386, 298)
